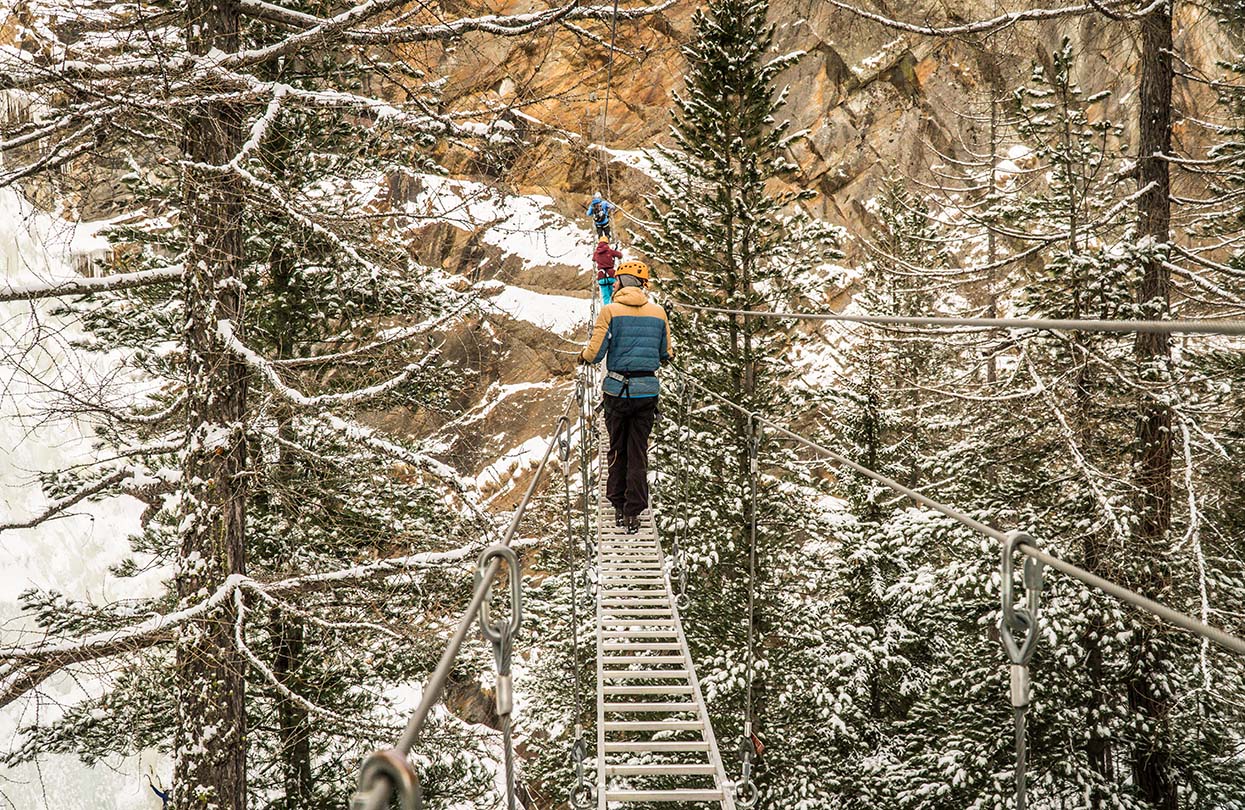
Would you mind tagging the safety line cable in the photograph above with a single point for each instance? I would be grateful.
(1207, 327)
(605, 111)
(1175, 617)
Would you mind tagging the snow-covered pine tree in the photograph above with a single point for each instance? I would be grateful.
(727, 238)
(1061, 453)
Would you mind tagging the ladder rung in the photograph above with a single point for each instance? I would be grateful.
(650, 707)
(615, 660)
(647, 624)
(614, 610)
(673, 645)
(633, 600)
(655, 746)
(684, 795)
(668, 769)
(639, 634)
(636, 592)
(646, 690)
(653, 725)
(644, 675)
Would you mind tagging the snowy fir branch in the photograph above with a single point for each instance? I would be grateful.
(225, 330)
(84, 286)
(23, 669)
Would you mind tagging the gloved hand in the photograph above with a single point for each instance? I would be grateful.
(584, 362)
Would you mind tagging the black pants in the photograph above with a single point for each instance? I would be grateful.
(629, 422)
(604, 230)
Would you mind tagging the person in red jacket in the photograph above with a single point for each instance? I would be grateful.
(604, 257)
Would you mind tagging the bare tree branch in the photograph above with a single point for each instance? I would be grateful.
(995, 23)
(59, 507)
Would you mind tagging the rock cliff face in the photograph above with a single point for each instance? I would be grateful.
(873, 102)
(871, 99)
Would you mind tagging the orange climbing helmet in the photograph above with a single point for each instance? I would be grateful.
(604, 239)
(633, 268)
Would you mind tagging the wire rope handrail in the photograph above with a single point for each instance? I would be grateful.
(1189, 327)
(1023, 544)
(385, 771)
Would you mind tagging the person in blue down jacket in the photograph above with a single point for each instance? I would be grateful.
(632, 335)
(599, 210)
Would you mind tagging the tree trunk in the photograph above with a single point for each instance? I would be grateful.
(1152, 760)
(294, 729)
(210, 740)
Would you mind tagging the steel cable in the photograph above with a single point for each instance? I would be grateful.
(1207, 327)
(746, 793)
(1186, 622)
(605, 111)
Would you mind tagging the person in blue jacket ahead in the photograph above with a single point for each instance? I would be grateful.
(599, 210)
(632, 335)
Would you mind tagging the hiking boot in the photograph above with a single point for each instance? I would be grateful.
(618, 518)
(633, 524)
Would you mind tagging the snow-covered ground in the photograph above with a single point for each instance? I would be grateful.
(71, 554)
(526, 226)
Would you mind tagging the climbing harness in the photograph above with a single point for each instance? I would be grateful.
(746, 793)
(1018, 632)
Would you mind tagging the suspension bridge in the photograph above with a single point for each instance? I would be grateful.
(654, 743)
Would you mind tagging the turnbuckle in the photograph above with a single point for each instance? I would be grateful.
(1020, 623)
(746, 792)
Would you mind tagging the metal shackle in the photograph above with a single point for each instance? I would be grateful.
(496, 632)
(1019, 621)
(564, 446)
(382, 773)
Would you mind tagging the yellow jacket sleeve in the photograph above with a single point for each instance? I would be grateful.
(598, 344)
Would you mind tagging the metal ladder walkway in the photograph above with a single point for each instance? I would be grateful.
(654, 739)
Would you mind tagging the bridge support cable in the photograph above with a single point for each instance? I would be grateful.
(389, 772)
(581, 794)
(654, 739)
